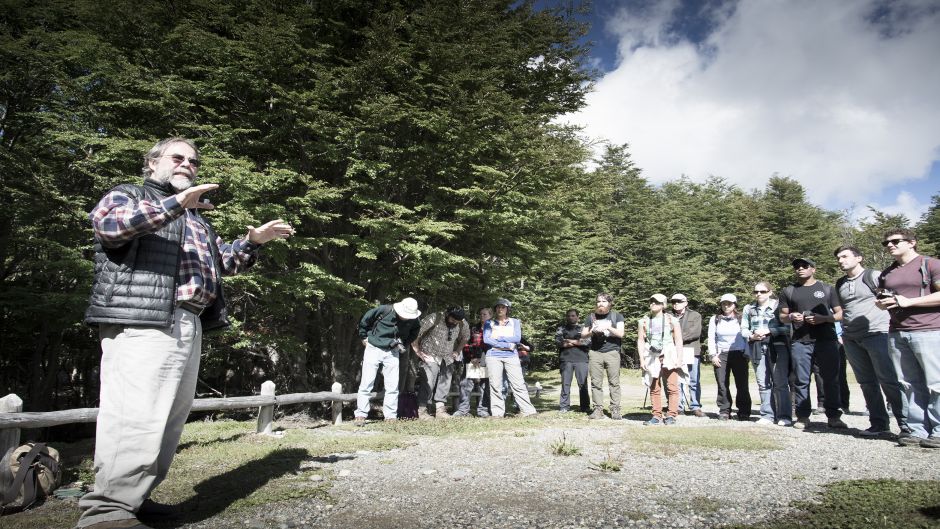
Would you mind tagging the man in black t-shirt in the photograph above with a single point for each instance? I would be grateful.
(605, 328)
(573, 354)
(813, 307)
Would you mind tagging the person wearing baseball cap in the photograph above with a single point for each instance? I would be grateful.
(813, 307)
(659, 343)
(386, 332)
(690, 322)
(727, 349)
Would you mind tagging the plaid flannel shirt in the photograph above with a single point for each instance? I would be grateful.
(117, 220)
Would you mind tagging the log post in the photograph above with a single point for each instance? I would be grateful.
(337, 404)
(10, 437)
(266, 413)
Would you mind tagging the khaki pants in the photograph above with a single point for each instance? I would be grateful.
(598, 364)
(148, 382)
(496, 367)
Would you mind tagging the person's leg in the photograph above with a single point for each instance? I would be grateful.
(695, 383)
(656, 397)
(844, 394)
(738, 365)
(371, 360)
(564, 398)
(885, 365)
(596, 367)
(672, 392)
(801, 363)
(483, 405)
(860, 357)
(520, 392)
(494, 368)
(817, 380)
(427, 379)
(826, 353)
(721, 378)
(780, 364)
(146, 376)
(925, 346)
(612, 365)
(584, 396)
(465, 387)
(764, 375)
(390, 374)
(442, 390)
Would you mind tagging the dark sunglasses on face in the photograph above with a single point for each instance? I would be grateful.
(802, 266)
(761, 291)
(678, 301)
(179, 158)
(893, 242)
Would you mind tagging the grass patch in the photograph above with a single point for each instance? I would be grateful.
(671, 441)
(882, 503)
(608, 464)
(563, 447)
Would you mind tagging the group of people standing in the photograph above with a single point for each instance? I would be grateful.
(885, 323)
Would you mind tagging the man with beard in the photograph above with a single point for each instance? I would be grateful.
(157, 287)
(605, 328)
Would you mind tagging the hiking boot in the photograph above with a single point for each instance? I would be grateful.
(441, 412)
(669, 421)
(698, 412)
(460, 414)
(785, 423)
(423, 414)
(907, 438)
(837, 424)
(360, 421)
(930, 442)
(598, 414)
(615, 414)
(801, 423)
(150, 509)
(874, 431)
(764, 421)
(655, 421)
(724, 416)
(129, 523)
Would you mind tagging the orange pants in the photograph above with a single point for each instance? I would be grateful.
(672, 392)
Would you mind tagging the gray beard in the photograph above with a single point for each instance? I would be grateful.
(180, 183)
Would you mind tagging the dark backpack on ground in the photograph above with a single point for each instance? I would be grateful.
(407, 405)
(28, 474)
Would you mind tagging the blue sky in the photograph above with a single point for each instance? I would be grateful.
(838, 94)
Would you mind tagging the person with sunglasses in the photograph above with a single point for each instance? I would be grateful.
(157, 287)
(911, 295)
(813, 307)
(768, 341)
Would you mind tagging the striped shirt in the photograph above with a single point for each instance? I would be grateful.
(118, 219)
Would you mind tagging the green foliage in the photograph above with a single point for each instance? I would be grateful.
(563, 447)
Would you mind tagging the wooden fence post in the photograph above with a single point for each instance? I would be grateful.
(337, 404)
(10, 437)
(266, 413)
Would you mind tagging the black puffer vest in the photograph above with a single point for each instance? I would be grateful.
(135, 284)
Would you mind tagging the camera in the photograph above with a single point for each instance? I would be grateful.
(397, 346)
(885, 293)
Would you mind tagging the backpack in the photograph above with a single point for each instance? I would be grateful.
(28, 474)
(869, 281)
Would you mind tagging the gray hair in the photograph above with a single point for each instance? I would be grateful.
(157, 151)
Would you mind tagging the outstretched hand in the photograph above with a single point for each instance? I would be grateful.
(191, 198)
(276, 229)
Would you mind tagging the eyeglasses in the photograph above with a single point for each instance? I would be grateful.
(179, 158)
(678, 301)
(802, 267)
(893, 242)
(761, 291)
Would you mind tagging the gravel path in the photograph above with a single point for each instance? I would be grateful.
(511, 480)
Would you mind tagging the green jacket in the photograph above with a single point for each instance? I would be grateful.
(382, 326)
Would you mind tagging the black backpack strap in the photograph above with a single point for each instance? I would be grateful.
(924, 276)
(25, 478)
(870, 281)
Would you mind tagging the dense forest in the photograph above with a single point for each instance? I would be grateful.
(414, 145)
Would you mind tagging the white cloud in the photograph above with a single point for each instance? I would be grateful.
(904, 203)
(805, 89)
